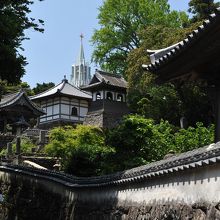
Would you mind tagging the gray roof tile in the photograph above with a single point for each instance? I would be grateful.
(190, 160)
(12, 98)
(63, 88)
(104, 78)
(111, 79)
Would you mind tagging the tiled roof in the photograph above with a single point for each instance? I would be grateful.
(111, 79)
(104, 78)
(197, 158)
(12, 98)
(161, 57)
(64, 88)
(6, 99)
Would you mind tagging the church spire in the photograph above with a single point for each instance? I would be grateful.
(81, 71)
(81, 59)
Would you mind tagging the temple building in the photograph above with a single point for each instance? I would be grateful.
(101, 103)
(108, 104)
(81, 71)
(196, 58)
(16, 111)
(63, 104)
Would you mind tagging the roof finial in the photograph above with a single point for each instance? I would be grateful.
(64, 79)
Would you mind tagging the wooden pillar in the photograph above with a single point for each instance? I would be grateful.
(217, 115)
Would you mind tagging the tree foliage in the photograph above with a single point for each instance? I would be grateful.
(89, 151)
(167, 101)
(14, 20)
(121, 21)
(161, 102)
(82, 150)
(138, 141)
(193, 137)
(201, 9)
(42, 87)
(6, 88)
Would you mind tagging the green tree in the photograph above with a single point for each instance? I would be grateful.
(138, 141)
(121, 21)
(82, 150)
(42, 87)
(161, 102)
(193, 137)
(165, 101)
(88, 151)
(6, 88)
(201, 9)
(196, 104)
(14, 20)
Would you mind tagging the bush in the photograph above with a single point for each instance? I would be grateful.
(88, 151)
(192, 138)
(82, 150)
(138, 140)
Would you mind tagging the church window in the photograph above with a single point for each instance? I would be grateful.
(74, 111)
(109, 96)
(98, 96)
(120, 98)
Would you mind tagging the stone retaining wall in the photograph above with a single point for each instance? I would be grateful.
(183, 187)
(27, 198)
(43, 197)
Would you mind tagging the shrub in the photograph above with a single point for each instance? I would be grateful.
(138, 140)
(82, 150)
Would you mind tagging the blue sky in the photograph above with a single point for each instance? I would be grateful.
(50, 55)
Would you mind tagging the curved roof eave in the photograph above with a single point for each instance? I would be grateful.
(14, 98)
(157, 61)
(64, 88)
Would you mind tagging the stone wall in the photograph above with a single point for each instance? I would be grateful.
(103, 119)
(94, 119)
(27, 198)
(181, 187)
(168, 211)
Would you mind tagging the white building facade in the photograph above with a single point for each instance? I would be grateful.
(63, 104)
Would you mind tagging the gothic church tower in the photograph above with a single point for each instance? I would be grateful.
(81, 71)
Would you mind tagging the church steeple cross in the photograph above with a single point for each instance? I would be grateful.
(81, 36)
